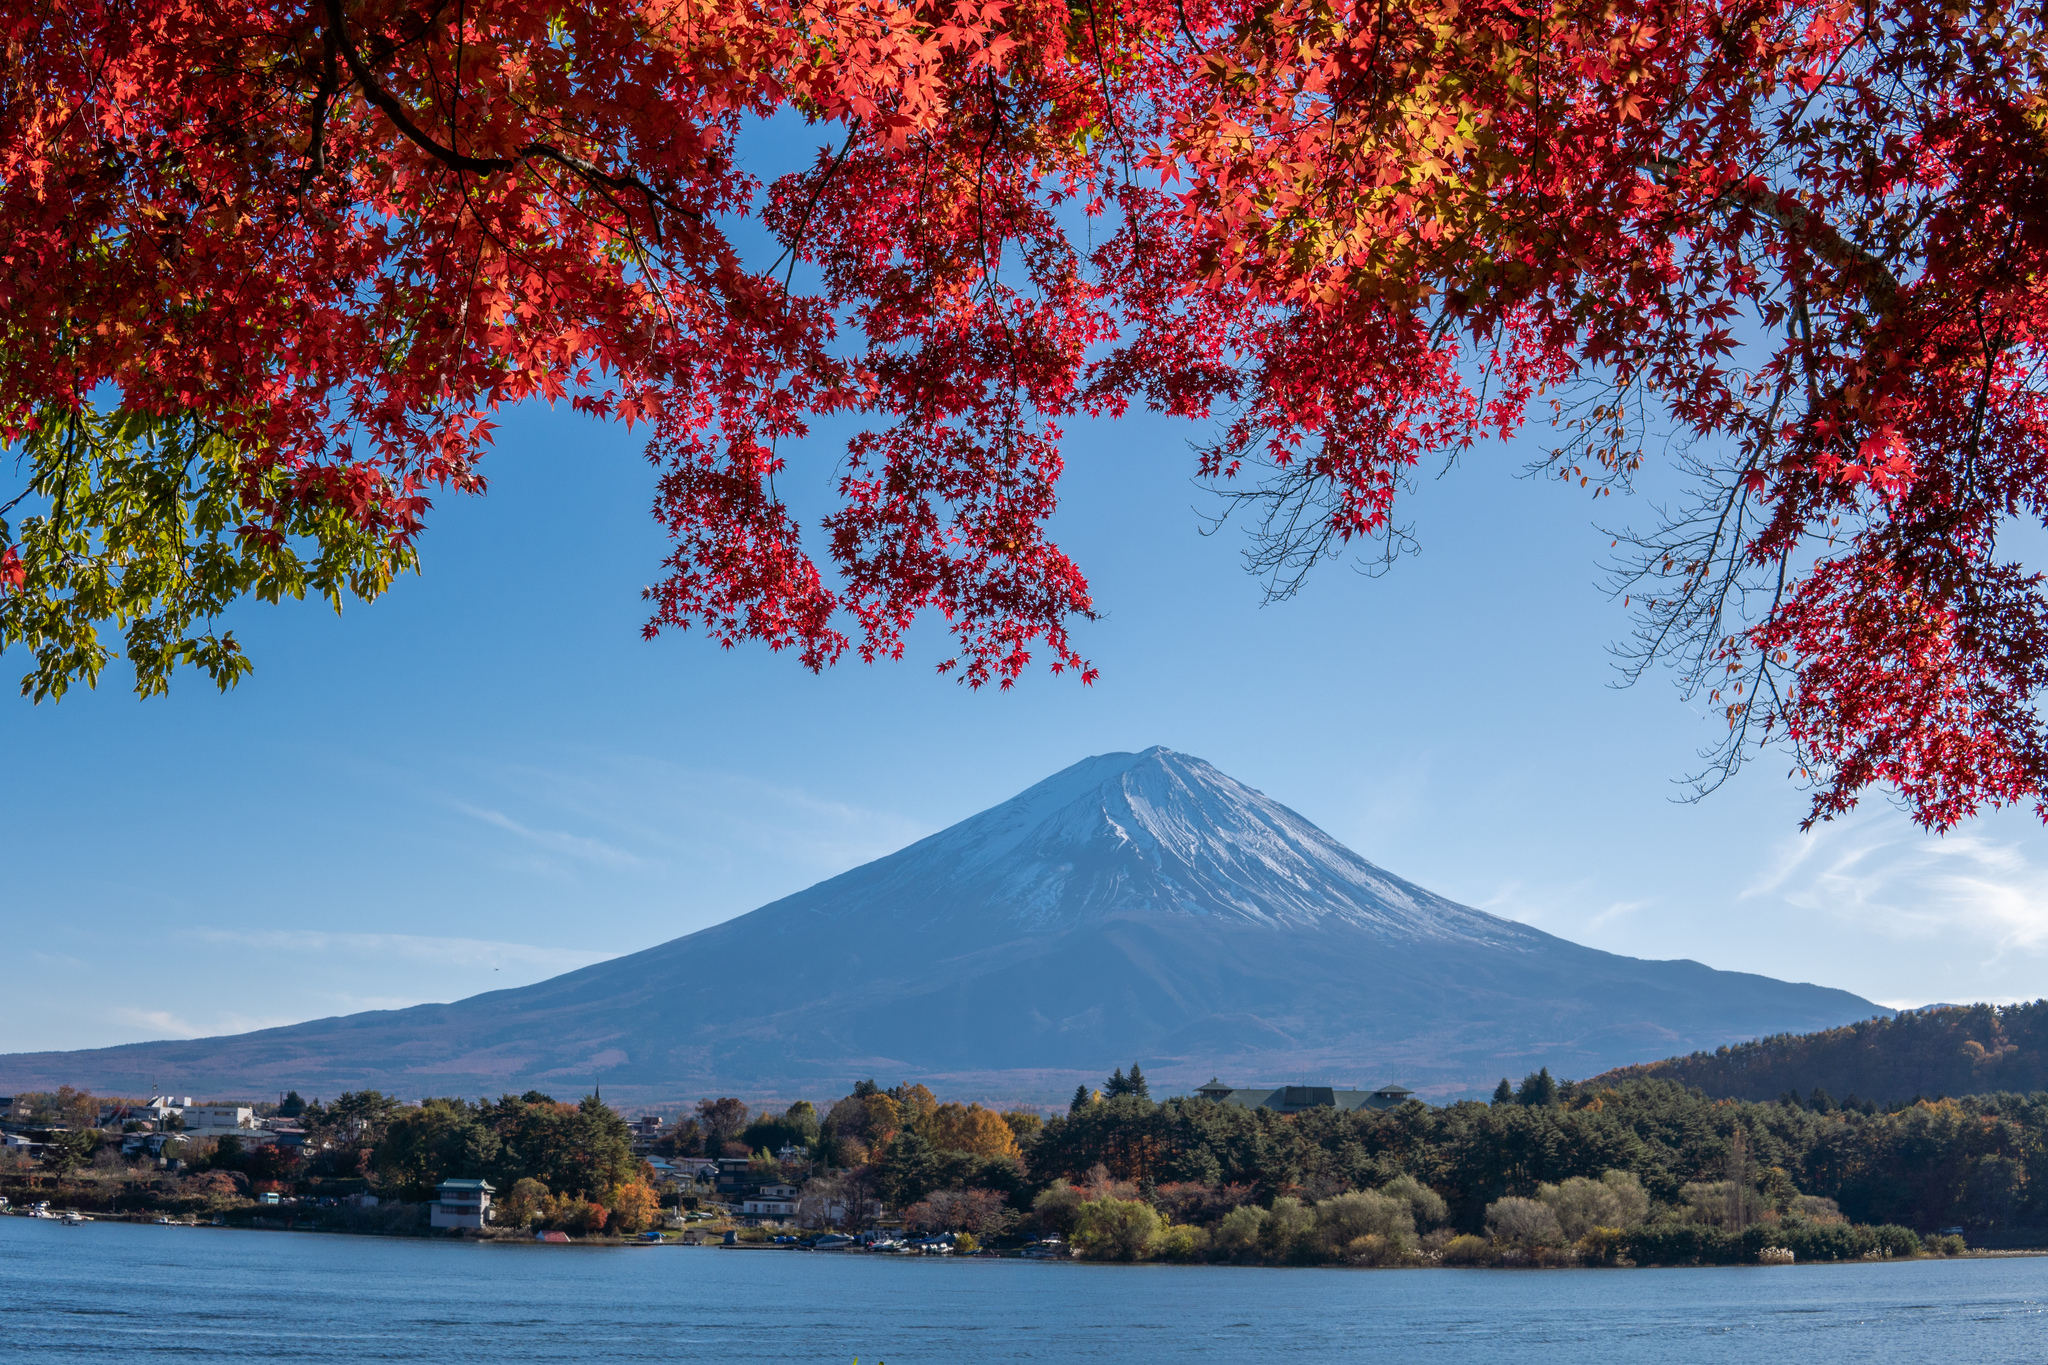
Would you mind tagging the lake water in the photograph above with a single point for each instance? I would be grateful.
(136, 1292)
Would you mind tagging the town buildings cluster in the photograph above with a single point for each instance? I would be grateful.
(152, 1127)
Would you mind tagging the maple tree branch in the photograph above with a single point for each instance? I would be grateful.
(316, 139)
(401, 118)
(803, 224)
(1108, 104)
(1880, 287)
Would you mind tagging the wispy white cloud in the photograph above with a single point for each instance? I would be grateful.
(728, 841)
(1884, 875)
(165, 1024)
(1616, 911)
(450, 952)
(574, 845)
(690, 815)
(1557, 908)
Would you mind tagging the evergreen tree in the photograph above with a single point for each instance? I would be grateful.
(1135, 1084)
(1080, 1100)
(863, 1089)
(1504, 1093)
(908, 1170)
(1538, 1088)
(292, 1107)
(1116, 1085)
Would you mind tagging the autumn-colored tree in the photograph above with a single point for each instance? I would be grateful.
(581, 1215)
(884, 1119)
(632, 1206)
(211, 1192)
(270, 267)
(66, 1107)
(527, 1201)
(915, 1105)
(1025, 1124)
(971, 1128)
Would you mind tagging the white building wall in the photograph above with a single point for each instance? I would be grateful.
(457, 1216)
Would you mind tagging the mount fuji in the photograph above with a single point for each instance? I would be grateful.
(1132, 907)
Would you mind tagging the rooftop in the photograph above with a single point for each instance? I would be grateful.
(1290, 1099)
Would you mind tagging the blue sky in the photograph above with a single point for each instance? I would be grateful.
(488, 777)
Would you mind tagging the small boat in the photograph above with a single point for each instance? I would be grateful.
(74, 1219)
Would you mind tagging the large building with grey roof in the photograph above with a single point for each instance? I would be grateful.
(1292, 1099)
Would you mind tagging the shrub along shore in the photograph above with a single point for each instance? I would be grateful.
(1402, 1224)
(1546, 1174)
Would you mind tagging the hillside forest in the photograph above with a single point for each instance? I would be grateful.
(1941, 1050)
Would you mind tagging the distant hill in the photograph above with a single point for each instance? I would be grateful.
(1941, 1050)
(1133, 907)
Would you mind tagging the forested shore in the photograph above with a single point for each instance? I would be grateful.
(1547, 1173)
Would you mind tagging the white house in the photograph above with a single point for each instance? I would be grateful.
(213, 1119)
(771, 1201)
(461, 1204)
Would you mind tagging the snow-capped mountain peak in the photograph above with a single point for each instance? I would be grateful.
(1151, 833)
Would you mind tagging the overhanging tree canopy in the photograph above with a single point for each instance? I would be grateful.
(269, 269)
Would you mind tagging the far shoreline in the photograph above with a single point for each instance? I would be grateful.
(627, 1244)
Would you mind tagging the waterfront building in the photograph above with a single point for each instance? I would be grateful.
(461, 1204)
(771, 1201)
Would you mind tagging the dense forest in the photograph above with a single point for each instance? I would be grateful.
(1978, 1163)
(1941, 1051)
(1648, 1167)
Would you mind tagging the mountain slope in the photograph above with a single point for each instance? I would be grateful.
(1943, 1050)
(1131, 906)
